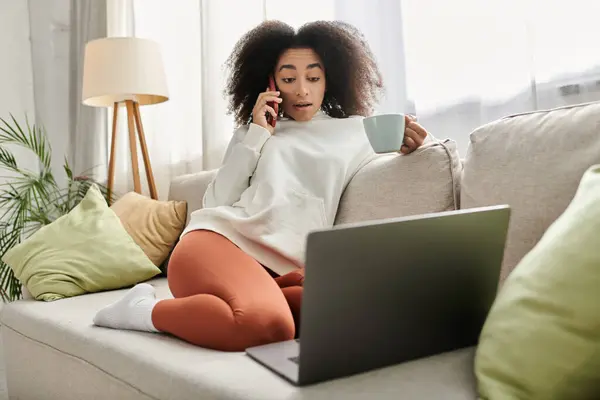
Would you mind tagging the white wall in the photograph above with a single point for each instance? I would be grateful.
(49, 24)
(16, 76)
(40, 76)
(43, 24)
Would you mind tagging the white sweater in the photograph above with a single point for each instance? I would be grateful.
(271, 191)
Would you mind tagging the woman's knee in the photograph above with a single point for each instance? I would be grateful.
(263, 327)
(281, 327)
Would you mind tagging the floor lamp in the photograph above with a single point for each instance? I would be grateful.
(125, 71)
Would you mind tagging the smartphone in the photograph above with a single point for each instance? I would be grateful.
(272, 121)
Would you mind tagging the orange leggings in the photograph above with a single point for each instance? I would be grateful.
(224, 299)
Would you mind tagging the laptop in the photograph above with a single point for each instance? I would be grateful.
(386, 292)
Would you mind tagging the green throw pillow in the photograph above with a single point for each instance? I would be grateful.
(86, 250)
(542, 337)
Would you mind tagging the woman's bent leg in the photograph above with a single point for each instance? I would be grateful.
(291, 286)
(224, 299)
(293, 295)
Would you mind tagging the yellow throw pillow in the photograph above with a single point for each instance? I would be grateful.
(84, 251)
(154, 225)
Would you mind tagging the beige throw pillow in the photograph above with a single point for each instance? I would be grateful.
(153, 224)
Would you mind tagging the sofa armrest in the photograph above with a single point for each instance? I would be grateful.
(191, 188)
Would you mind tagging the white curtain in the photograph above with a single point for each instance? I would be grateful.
(469, 62)
(41, 76)
(87, 125)
(456, 65)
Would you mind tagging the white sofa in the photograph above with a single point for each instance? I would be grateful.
(533, 162)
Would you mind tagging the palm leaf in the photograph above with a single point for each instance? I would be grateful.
(35, 139)
(9, 284)
(30, 200)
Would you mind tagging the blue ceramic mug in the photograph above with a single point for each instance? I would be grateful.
(385, 132)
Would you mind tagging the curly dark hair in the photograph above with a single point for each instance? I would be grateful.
(353, 79)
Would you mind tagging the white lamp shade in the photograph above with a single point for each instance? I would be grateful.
(123, 68)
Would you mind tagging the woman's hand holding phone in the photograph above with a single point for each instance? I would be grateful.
(262, 109)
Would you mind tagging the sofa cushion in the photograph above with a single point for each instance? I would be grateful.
(191, 188)
(153, 224)
(532, 162)
(162, 367)
(393, 185)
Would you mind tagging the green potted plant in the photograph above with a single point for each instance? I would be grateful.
(31, 199)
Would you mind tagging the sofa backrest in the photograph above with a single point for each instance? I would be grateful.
(191, 188)
(396, 185)
(532, 162)
(389, 186)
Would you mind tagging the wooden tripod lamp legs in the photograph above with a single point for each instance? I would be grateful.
(145, 155)
(113, 146)
(135, 168)
(134, 121)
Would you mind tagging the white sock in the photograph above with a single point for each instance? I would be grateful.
(134, 311)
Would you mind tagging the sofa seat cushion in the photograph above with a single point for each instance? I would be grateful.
(163, 367)
(534, 163)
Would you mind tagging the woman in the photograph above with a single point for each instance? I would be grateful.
(236, 274)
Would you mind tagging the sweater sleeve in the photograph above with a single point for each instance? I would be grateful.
(241, 158)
